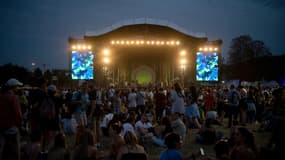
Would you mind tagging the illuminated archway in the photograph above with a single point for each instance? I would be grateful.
(143, 75)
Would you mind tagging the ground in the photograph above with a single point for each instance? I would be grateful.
(190, 146)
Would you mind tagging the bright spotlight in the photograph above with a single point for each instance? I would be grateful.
(147, 42)
(112, 42)
(106, 60)
(205, 49)
(127, 42)
(167, 42)
(84, 47)
(183, 53)
(142, 42)
(106, 52)
(172, 42)
(162, 42)
(73, 47)
(137, 42)
(132, 42)
(89, 47)
(183, 61)
(210, 49)
(118, 42)
(200, 49)
(152, 42)
(216, 49)
(78, 47)
(158, 42)
(177, 42)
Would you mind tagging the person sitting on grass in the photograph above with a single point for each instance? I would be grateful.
(173, 143)
(208, 133)
(131, 149)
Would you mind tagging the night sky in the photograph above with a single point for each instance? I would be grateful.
(38, 30)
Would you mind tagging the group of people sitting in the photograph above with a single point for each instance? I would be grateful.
(74, 127)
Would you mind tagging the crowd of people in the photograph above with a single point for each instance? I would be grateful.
(50, 122)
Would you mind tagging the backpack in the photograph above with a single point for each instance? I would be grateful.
(47, 109)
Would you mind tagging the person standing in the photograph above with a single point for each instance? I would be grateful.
(132, 101)
(10, 121)
(177, 98)
(233, 97)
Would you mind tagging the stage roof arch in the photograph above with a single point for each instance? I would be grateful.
(148, 21)
(149, 47)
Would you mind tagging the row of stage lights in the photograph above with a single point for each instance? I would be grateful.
(142, 42)
(89, 47)
(208, 49)
(81, 47)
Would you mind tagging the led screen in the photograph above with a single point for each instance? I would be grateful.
(82, 65)
(207, 66)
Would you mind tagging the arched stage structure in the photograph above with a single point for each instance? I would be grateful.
(144, 51)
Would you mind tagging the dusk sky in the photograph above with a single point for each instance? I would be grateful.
(38, 30)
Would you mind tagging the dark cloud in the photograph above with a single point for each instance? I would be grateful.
(277, 4)
(37, 30)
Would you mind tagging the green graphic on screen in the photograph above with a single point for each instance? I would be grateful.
(82, 65)
(207, 66)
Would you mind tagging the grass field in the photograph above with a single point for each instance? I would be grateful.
(190, 146)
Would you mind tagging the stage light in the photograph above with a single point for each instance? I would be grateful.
(106, 52)
(73, 47)
(79, 47)
(216, 49)
(141, 42)
(183, 53)
(89, 47)
(182, 61)
(84, 47)
(205, 49)
(200, 49)
(210, 49)
(106, 60)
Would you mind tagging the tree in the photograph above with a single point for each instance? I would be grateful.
(38, 72)
(243, 49)
(8, 71)
(48, 75)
